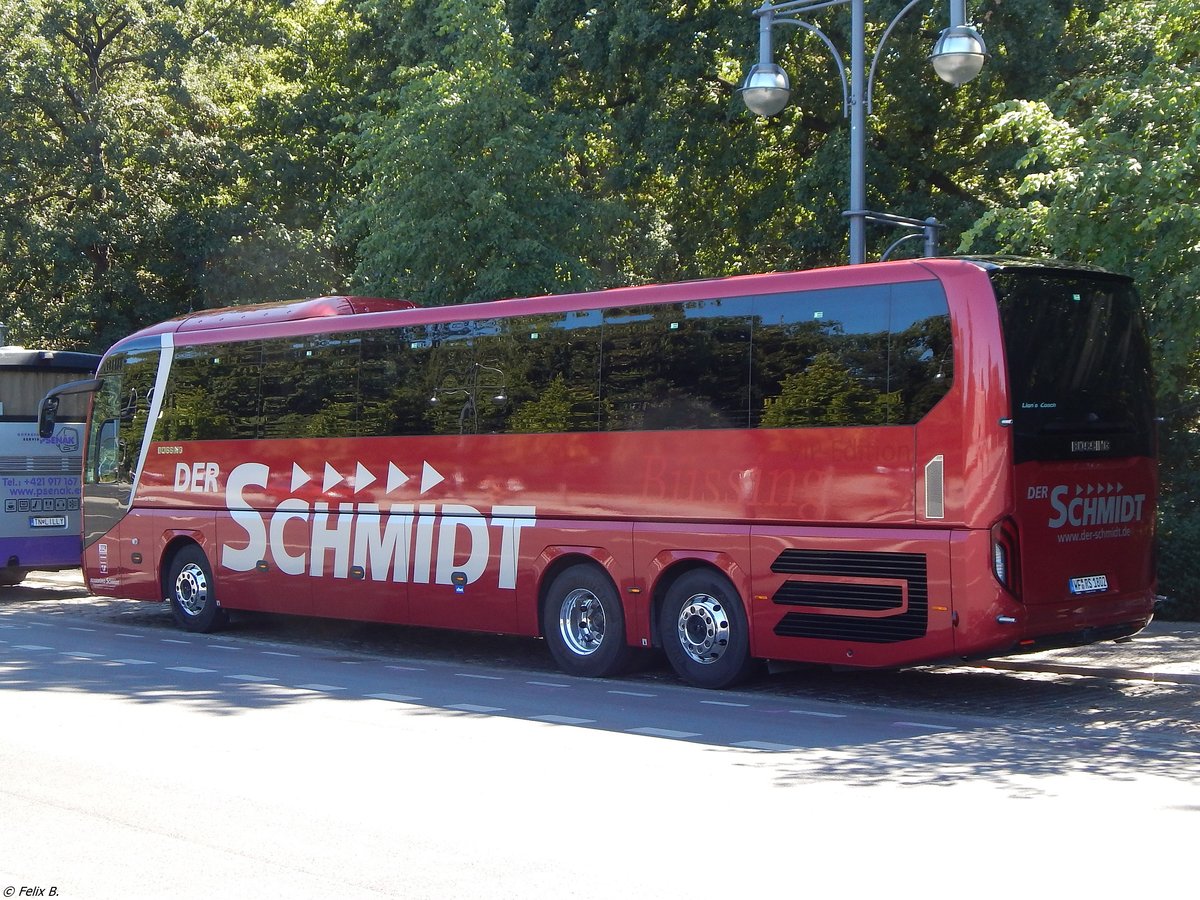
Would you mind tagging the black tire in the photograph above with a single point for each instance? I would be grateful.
(584, 623)
(705, 632)
(192, 592)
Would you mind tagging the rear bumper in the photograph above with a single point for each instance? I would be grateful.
(1078, 638)
(1034, 629)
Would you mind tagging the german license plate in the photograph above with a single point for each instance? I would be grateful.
(47, 521)
(1089, 584)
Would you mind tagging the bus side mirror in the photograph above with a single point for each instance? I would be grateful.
(48, 409)
(47, 415)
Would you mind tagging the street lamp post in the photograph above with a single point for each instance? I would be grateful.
(957, 57)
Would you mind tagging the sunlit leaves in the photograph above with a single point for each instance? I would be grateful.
(1108, 168)
(138, 161)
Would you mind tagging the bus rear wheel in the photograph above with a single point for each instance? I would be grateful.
(191, 592)
(705, 632)
(584, 623)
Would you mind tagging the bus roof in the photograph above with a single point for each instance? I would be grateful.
(64, 360)
(304, 315)
(285, 311)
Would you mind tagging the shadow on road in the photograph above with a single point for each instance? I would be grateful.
(1019, 726)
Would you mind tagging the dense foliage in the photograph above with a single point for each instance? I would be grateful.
(159, 156)
(153, 159)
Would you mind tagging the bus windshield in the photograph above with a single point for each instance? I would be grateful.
(1078, 364)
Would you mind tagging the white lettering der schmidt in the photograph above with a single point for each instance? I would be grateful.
(402, 542)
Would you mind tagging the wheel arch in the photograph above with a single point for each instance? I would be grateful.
(671, 567)
(555, 560)
(175, 543)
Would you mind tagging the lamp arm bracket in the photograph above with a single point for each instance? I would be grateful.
(896, 243)
(795, 6)
(879, 52)
(833, 51)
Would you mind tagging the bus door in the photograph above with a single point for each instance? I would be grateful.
(112, 465)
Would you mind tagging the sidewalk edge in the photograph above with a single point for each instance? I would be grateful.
(1091, 671)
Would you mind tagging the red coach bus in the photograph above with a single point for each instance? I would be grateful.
(876, 465)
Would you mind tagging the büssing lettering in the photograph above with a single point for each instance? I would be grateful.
(402, 542)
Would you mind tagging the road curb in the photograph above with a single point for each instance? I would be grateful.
(1116, 672)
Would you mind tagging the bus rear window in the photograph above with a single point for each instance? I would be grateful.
(1078, 364)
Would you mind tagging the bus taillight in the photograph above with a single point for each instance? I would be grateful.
(1006, 560)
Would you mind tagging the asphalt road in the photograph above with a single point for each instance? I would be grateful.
(299, 758)
(1100, 704)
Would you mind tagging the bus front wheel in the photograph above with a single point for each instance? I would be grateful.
(584, 623)
(190, 589)
(705, 632)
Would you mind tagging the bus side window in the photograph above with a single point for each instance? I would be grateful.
(552, 369)
(922, 350)
(821, 358)
(677, 366)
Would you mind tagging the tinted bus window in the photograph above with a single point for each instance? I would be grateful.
(326, 390)
(554, 373)
(286, 406)
(1078, 364)
(120, 414)
(873, 356)
(213, 393)
(235, 372)
(466, 385)
(190, 411)
(677, 366)
(921, 366)
(821, 358)
(391, 383)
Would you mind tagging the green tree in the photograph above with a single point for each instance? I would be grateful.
(130, 177)
(695, 186)
(466, 191)
(825, 393)
(1108, 174)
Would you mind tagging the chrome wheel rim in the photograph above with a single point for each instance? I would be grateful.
(581, 622)
(703, 629)
(191, 589)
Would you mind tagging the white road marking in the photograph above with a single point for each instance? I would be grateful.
(819, 715)
(564, 720)
(765, 745)
(663, 732)
(394, 698)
